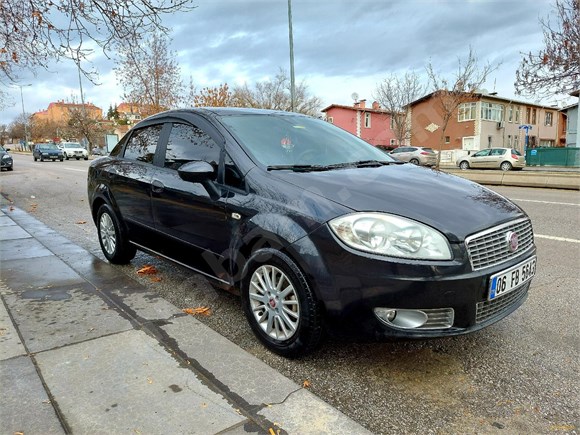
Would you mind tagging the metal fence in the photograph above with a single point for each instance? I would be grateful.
(553, 157)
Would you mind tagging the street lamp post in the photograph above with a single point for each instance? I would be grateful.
(292, 85)
(24, 116)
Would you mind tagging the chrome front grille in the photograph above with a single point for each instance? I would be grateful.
(488, 309)
(490, 247)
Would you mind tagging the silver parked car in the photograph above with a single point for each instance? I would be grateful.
(416, 155)
(505, 159)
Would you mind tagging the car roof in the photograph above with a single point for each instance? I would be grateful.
(220, 111)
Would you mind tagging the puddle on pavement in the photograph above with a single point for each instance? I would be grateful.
(46, 295)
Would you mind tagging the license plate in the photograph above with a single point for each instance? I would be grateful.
(510, 279)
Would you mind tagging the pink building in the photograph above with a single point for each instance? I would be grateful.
(370, 124)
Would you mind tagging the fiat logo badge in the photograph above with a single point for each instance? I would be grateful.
(512, 241)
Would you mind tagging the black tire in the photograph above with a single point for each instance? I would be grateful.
(35, 159)
(113, 237)
(61, 159)
(294, 331)
(506, 166)
(78, 158)
(86, 158)
(414, 161)
(464, 165)
(66, 156)
(41, 159)
(11, 168)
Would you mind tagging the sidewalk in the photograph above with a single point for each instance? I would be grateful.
(85, 349)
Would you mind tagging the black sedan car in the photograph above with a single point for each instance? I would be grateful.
(47, 151)
(318, 230)
(6, 161)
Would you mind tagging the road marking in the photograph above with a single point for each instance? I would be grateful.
(545, 202)
(559, 239)
(75, 169)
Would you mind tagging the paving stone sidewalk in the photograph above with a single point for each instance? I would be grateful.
(85, 349)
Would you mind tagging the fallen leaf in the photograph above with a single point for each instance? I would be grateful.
(81, 222)
(155, 279)
(149, 380)
(11, 208)
(147, 270)
(306, 384)
(204, 311)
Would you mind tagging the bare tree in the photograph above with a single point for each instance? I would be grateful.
(395, 94)
(219, 96)
(81, 126)
(555, 68)
(450, 92)
(150, 75)
(35, 32)
(18, 128)
(275, 94)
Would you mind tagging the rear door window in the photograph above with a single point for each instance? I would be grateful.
(143, 143)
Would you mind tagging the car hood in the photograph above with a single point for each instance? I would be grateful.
(453, 205)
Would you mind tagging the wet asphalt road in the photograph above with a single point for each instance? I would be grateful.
(518, 376)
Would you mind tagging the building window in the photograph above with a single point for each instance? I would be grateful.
(549, 143)
(528, 115)
(367, 120)
(392, 122)
(534, 116)
(467, 112)
(447, 139)
(330, 119)
(517, 143)
(509, 144)
(510, 113)
(517, 117)
(492, 112)
(549, 119)
(393, 142)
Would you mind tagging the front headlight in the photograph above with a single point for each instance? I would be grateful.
(6, 157)
(385, 234)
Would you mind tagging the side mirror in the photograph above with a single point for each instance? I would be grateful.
(7, 149)
(203, 173)
(197, 172)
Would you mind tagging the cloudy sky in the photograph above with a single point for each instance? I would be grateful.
(340, 46)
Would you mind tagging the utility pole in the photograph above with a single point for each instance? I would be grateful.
(24, 117)
(292, 84)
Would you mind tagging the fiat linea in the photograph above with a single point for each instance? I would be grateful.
(318, 231)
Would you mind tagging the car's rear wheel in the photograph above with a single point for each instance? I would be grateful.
(280, 305)
(113, 238)
(506, 166)
(464, 165)
(414, 161)
(35, 159)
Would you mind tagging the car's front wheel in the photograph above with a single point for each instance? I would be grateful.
(280, 306)
(464, 165)
(113, 238)
(506, 166)
(66, 156)
(414, 161)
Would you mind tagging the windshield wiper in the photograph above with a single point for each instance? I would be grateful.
(363, 164)
(298, 168)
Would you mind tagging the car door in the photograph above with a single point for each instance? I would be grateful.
(184, 212)
(130, 178)
(496, 157)
(478, 160)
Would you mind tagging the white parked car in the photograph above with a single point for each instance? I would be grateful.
(74, 150)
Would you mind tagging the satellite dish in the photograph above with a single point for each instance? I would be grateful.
(354, 96)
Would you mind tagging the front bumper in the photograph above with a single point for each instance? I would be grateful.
(6, 163)
(353, 284)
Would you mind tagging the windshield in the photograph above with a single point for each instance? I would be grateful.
(280, 140)
(48, 147)
(72, 145)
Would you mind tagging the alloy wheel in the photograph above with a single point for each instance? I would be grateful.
(274, 302)
(107, 233)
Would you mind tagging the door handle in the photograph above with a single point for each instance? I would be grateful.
(157, 186)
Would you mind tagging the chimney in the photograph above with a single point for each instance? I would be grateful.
(376, 105)
(362, 104)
